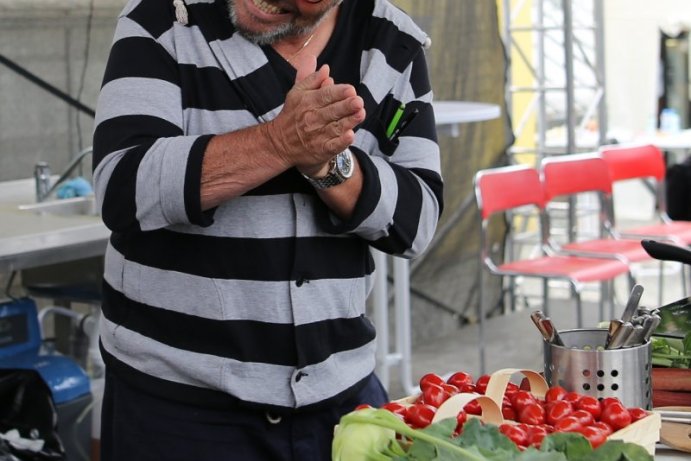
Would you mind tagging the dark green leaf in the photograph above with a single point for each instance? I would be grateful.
(531, 454)
(573, 445)
(616, 450)
(485, 437)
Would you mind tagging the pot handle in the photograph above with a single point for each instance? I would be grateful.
(666, 251)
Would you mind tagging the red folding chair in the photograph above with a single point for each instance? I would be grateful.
(571, 176)
(499, 192)
(646, 163)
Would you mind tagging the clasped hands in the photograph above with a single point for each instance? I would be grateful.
(317, 119)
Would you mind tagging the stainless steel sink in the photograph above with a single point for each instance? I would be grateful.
(77, 206)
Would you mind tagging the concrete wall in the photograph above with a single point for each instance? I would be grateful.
(65, 43)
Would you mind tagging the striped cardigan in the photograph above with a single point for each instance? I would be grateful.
(260, 301)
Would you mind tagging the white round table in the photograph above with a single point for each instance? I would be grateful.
(668, 141)
(452, 112)
(448, 116)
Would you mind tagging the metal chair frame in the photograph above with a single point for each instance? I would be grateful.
(502, 190)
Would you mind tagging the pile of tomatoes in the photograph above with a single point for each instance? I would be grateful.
(529, 419)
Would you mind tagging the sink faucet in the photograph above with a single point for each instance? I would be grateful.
(42, 175)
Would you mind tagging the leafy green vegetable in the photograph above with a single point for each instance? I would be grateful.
(616, 450)
(354, 440)
(478, 442)
(671, 352)
(574, 446)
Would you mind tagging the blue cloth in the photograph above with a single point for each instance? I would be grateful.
(77, 187)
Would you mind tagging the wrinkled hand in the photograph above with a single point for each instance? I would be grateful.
(317, 119)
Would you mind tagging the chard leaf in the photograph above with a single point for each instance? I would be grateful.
(573, 445)
(617, 450)
(531, 454)
(485, 436)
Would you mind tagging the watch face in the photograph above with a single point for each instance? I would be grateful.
(344, 164)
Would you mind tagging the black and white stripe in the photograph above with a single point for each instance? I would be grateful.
(261, 300)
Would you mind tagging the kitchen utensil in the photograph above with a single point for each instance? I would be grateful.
(676, 435)
(649, 325)
(583, 365)
(620, 336)
(614, 325)
(632, 303)
(666, 251)
(676, 316)
(536, 317)
(681, 417)
(551, 331)
(635, 338)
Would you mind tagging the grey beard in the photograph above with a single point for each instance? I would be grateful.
(267, 38)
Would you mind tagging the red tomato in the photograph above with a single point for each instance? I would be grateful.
(460, 378)
(556, 410)
(521, 399)
(461, 418)
(515, 433)
(468, 388)
(595, 436)
(363, 406)
(604, 427)
(616, 415)
(511, 390)
(419, 415)
(591, 405)
(449, 389)
(555, 393)
(432, 378)
(433, 394)
(584, 417)
(572, 397)
(509, 413)
(608, 400)
(481, 384)
(396, 408)
(473, 408)
(567, 424)
(532, 413)
(637, 413)
(536, 434)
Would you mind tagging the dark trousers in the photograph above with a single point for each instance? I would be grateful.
(137, 426)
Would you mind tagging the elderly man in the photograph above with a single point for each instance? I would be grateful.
(247, 156)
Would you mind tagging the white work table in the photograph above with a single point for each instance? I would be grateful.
(448, 116)
(31, 239)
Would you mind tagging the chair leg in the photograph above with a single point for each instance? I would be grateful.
(481, 320)
(579, 309)
(545, 296)
(601, 303)
(660, 284)
(610, 299)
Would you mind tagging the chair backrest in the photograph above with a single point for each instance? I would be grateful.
(574, 174)
(504, 188)
(634, 162)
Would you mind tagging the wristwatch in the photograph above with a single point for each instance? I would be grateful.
(341, 167)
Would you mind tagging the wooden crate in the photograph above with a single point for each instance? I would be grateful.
(644, 432)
